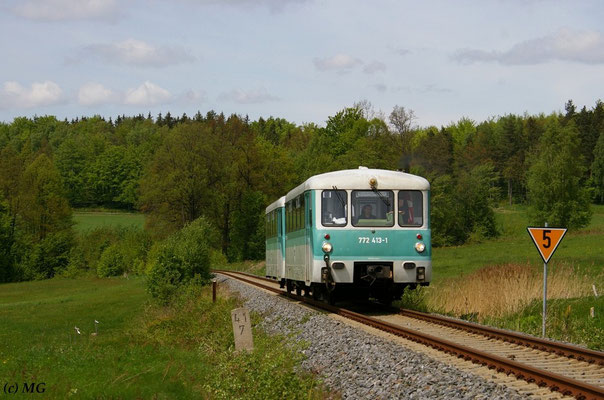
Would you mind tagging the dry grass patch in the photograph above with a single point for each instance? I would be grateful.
(504, 289)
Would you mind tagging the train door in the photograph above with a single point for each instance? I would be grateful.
(308, 254)
(280, 249)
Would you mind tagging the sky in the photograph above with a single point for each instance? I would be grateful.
(302, 60)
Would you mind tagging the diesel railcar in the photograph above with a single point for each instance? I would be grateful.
(353, 233)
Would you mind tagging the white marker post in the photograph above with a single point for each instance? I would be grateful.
(242, 329)
(546, 240)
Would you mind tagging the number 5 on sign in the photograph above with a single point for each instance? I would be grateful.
(242, 329)
(546, 240)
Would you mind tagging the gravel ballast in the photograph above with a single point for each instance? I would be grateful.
(360, 365)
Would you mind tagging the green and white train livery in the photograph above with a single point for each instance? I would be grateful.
(354, 233)
(275, 239)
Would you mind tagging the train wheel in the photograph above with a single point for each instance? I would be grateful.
(288, 286)
(386, 299)
(298, 290)
(330, 296)
(316, 292)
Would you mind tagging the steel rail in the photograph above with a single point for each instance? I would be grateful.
(563, 349)
(555, 382)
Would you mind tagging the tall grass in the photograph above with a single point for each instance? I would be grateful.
(501, 290)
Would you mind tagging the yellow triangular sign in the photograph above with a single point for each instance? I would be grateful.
(546, 240)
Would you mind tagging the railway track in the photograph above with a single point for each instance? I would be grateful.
(563, 368)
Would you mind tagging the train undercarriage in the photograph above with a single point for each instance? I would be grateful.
(372, 280)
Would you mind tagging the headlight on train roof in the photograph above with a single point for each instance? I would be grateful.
(420, 247)
(327, 247)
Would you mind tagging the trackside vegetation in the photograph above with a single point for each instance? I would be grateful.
(226, 169)
(500, 281)
(138, 349)
(128, 215)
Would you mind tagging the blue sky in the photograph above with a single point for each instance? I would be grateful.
(302, 60)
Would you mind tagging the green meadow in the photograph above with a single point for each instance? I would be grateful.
(141, 350)
(86, 220)
(583, 249)
(138, 349)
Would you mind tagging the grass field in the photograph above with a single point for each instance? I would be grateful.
(583, 249)
(141, 350)
(86, 220)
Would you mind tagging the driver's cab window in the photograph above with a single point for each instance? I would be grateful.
(372, 208)
(334, 206)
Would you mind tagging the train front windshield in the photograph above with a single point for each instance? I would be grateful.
(334, 204)
(372, 208)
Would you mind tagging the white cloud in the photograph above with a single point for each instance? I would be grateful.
(60, 10)
(565, 45)
(92, 94)
(13, 95)
(340, 63)
(375, 66)
(147, 94)
(139, 53)
(248, 97)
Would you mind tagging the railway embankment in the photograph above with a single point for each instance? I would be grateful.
(357, 363)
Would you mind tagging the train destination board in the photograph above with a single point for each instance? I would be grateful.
(546, 240)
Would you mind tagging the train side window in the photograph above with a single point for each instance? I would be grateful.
(410, 208)
(334, 207)
(302, 212)
(297, 214)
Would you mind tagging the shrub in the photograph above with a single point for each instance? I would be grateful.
(110, 251)
(180, 258)
(111, 262)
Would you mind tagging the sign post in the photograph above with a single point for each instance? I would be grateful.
(544, 314)
(546, 240)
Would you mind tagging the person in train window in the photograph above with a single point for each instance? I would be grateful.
(366, 212)
(405, 213)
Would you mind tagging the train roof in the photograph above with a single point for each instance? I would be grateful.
(359, 179)
(276, 204)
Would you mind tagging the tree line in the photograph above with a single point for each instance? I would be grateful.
(226, 169)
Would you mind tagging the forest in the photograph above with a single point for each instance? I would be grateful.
(213, 175)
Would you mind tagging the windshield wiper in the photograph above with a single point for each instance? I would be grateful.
(339, 196)
(384, 199)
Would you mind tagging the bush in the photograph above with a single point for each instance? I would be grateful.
(110, 251)
(182, 257)
(112, 262)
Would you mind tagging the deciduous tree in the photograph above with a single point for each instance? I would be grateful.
(557, 193)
